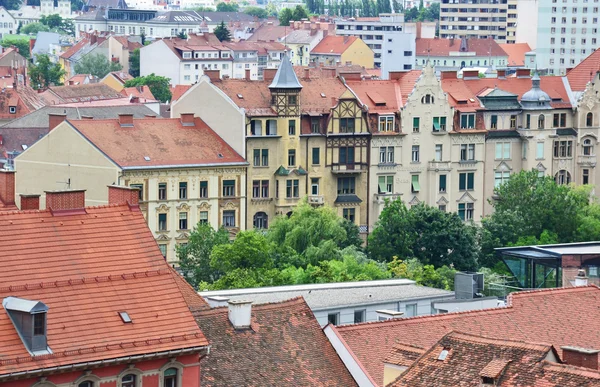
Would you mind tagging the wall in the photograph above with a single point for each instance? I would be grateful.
(359, 53)
(61, 155)
(527, 26)
(168, 66)
(8, 24)
(464, 305)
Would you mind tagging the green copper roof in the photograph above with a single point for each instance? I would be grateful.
(281, 171)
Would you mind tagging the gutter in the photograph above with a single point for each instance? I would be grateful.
(175, 166)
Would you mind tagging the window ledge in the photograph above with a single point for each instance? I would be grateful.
(468, 161)
(439, 132)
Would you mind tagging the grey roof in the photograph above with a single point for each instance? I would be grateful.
(43, 40)
(552, 251)
(23, 305)
(348, 199)
(336, 295)
(285, 78)
(98, 14)
(177, 17)
(122, 4)
(39, 118)
(503, 134)
(218, 17)
(536, 98)
(300, 37)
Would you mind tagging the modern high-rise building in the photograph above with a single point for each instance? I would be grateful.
(475, 19)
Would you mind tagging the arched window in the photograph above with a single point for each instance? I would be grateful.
(261, 220)
(170, 377)
(129, 380)
(562, 177)
(589, 119)
(427, 99)
(541, 121)
(87, 383)
(588, 148)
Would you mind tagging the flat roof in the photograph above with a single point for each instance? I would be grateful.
(336, 295)
(551, 251)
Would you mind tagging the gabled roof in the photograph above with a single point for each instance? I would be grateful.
(460, 96)
(302, 36)
(142, 92)
(333, 45)
(542, 316)
(285, 77)
(153, 142)
(443, 47)
(584, 72)
(23, 98)
(269, 33)
(87, 267)
(516, 53)
(79, 93)
(284, 346)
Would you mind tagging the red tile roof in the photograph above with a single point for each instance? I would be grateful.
(460, 96)
(380, 96)
(269, 33)
(178, 90)
(584, 72)
(167, 142)
(120, 76)
(443, 47)
(75, 48)
(284, 346)
(371, 343)
(142, 92)
(333, 45)
(24, 99)
(86, 267)
(516, 53)
(78, 79)
(404, 355)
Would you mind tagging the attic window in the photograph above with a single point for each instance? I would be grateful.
(322, 95)
(29, 319)
(12, 109)
(240, 96)
(125, 317)
(487, 381)
(443, 355)
(220, 155)
(24, 146)
(471, 99)
(147, 158)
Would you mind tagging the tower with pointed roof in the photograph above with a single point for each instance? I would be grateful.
(285, 90)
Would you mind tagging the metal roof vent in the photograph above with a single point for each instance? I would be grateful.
(147, 158)
(322, 95)
(29, 319)
(125, 317)
(240, 96)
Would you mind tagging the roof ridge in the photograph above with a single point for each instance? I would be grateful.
(490, 340)
(265, 306)
(537, 292)
(84, 280)
(99, 207)
(571, 369)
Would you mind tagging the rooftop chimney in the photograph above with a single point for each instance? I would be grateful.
(580, 357)
(213, 75)
(30, 202)
(307, 25)
(120, 195)
(187, 119)
(501, 74)
(470, 74)
(448, 74)
(247, 74)
(54, 119)
(581, 279)
(240, 314)
(216, 301)
(306, 72)
(126, 120)
(385, 314)
(523, 73)
(65, 200)
(7, 187)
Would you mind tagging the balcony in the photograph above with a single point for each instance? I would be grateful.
(588, 161)
(439, 166)
(382, 197)
(348, 168)
(316, 200)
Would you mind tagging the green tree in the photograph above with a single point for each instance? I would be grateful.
(77, 5)
(250, 250)
(222, 33)
(34, 28)
(426, 275)
(159, 86)
(285, 15)
(434, 11)
(412, 14)
(134, 63)
(52, 21)
(182, 35)
(194, 258)
(20, 43)
(204, 9)
(45, 73)
(299, 13)
(258, 12)
(97, 65)
(391, 235)
(11, 4)
(228, 7)
(271, 9)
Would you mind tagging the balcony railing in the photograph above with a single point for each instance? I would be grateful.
(587, 160)
(382, 197)
(439, 166)
(315, 200)
(348, 168)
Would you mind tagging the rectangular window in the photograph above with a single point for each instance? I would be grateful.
(333, 318)
(467, 121)
(494, 122)
(162, 191)
(140, 188)
(438, 152)
(465, 211)
(360, 316)
(39, 324)
(415, 186)
(183, 190)
(264, 157)
(386, 123)
(256, 127)
(586, 176)
(291, 157)
(256, 157)
(314, 125)
(163, 249)
(292, 188)
(471, 152)
(256, 188)
(467, 152)
(500, 178)
(162, 222)
(563, 149)
(415, 154)
(204, 189)
(503, 151)
(264, 188)
(349, 214)
(539, 151)
(183, 221)
(316, 156)
(439, 124)
(466, 181)
(346, 155)
(416, 124)
(442, 183)
(314, 186)
(385, 184)
(203, 217)
(346, 125)
(228, 188)
(229, 218)
(513, 122)
(528, 121)
(292, 127)
(410, 310)
(346, 185)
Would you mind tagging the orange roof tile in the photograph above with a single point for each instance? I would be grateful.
(75, 48)
(178, 90)
(333, 45)
(584, 72)
(443, 47)
(516, 53)
(142, 92)
(460, 96)
(87, 267)
(269, 33)
(166, 142)
(371, 343)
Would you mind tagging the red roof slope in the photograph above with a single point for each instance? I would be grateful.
(459, 95)
(443, 47)
(86, 267)
(516, 53)
(584, 72)
(285, 346)
(562, 325)
(164, 141)
(333, 45)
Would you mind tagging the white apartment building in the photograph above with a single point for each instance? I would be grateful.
(32, 14)
(474, 19)
(567, 32)
(8, 24)
(391, 39)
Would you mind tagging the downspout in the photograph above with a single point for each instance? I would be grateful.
(307, 173)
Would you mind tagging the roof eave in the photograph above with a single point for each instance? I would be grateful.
(175, 166)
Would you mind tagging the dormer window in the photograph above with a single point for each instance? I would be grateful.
(12, 109)
(29, 319)
(187, 55)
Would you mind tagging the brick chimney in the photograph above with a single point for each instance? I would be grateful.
(351, 76)
(470, 74)
(448, 75)
(240, 314)
(213, 75)
(7, 187)
(54, 119)
(30, 202)
(306, 73)
(247, 75)
(65, 200)
(419, 29)
(126, 120)
(580, 357)
(501, 74)
(581, 279)
(523, 73)
(187, 119)
(119, 195)
(269, 74)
